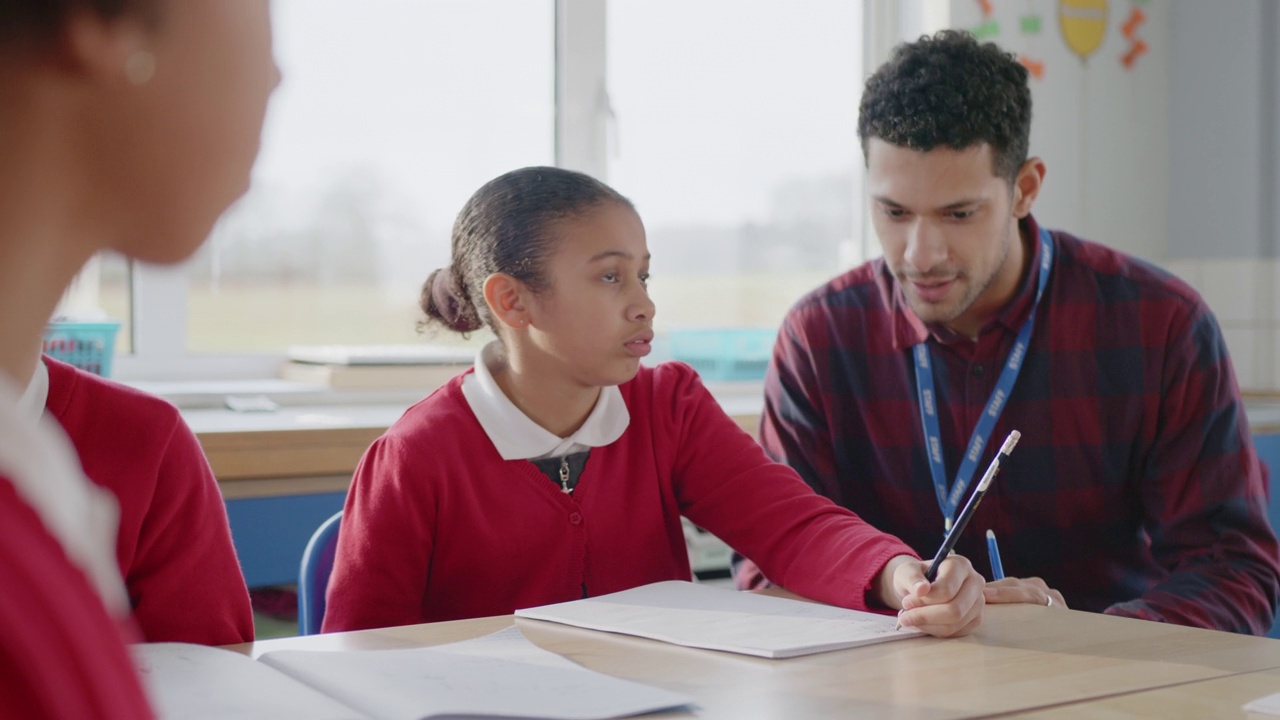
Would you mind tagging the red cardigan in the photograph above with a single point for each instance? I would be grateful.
(437, 526)
(61, 655)
(174, 542)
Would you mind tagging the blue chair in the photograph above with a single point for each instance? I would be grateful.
(313, 576)
(1268, 447)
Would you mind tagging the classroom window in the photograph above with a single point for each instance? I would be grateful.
(735, 137)
(731, 126)
(390, 114)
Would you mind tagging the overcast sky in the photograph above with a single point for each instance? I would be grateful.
(717, 101)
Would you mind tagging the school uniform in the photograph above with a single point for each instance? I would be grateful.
(173, 545)
(63, 609)
(449, 515)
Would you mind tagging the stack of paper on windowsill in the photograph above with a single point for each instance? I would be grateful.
(499, 675)
(718, 618)
(376, 367)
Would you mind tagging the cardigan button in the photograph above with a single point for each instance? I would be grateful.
(575, 518)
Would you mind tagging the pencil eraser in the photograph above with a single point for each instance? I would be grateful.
(1009, 442)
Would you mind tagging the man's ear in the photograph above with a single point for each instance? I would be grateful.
(505, 296)
(1026, 186)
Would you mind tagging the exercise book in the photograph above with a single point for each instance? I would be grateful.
(501, 675)
(719, 618)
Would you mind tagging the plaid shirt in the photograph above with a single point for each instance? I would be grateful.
(1135, 489)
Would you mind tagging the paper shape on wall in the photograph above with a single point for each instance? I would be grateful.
(986, 30)
(1030, 24)
(1034, 67)
(1084, 25)
(1130, 31)
(987, 9)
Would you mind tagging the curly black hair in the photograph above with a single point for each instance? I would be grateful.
(950, 90)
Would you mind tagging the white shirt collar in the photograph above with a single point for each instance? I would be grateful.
(33, 399)
(516, 436)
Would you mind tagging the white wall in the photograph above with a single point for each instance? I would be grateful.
(1271, 65)
(1176, 160)
(1101, 128)
(1222, 99)
(1224, 147)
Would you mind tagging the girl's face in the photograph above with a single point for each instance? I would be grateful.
(179, 148)
(595, 321)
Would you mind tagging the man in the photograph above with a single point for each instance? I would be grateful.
(1135, 489)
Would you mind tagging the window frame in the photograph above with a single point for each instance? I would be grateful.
(583, 117)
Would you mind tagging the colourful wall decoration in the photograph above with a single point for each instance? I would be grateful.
(1034, 67)
(1031, 23)
(1084, 25)
(989, 28)
(1130, 31)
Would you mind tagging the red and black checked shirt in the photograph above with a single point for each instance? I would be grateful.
(1135, 489)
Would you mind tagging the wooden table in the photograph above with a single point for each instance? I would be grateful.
(1024, 658)
(1219, 698)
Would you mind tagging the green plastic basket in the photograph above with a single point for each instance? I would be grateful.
(90, 346)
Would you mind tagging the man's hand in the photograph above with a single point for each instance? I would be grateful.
(1030, 590)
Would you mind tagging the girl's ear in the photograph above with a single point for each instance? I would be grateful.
(505, 297)
(113, 51)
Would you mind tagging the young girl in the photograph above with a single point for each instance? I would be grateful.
(172, 544)
(125, 125)
(558, 467)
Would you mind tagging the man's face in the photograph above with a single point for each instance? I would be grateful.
(948, 229)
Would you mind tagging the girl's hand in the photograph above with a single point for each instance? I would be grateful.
(950, 606)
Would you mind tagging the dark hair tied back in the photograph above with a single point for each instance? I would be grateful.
(38, 22)
(444, 302)
(508, 226)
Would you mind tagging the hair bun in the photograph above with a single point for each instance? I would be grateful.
(446, 301)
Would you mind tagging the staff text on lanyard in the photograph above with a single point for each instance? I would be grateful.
(949, 501)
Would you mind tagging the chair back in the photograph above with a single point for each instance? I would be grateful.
(313, 576)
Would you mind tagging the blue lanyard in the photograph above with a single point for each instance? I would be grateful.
(948, 502)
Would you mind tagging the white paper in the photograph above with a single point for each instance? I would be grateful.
(717, 618)
(502, 675)
(416, 354)
(1269, 705)
(194, 682)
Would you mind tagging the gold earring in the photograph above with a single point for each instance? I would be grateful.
(140, 67)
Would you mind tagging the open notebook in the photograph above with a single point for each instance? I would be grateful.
(501, 675)
(718, 618)
(1269, 705)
